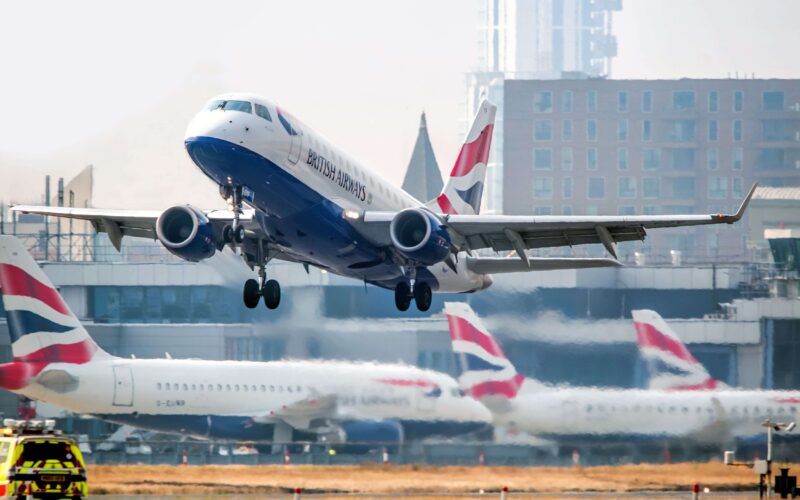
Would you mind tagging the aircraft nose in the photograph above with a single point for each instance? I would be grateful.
(205, 124)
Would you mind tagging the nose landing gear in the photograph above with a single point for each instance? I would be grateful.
(233, 233)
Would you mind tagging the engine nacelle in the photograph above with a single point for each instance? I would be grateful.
(186, 232)
(362, 436)
(418, 235)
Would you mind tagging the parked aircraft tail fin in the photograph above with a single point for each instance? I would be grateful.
(43, 330)
(463, 191)
(484, 370)
(669, 363)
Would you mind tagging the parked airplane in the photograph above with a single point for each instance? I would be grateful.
(581, 414)
(314, 204)
(56, 361)
(670, 365)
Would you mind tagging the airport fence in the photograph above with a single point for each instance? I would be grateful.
(427, 453)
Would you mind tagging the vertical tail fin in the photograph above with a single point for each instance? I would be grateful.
(485, 370)
(43, 330)
(670, 364)
(464, 189)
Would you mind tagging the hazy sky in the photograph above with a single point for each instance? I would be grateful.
(358, 71)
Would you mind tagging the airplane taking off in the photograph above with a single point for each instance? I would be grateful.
(313, 204)
(582, 414)
(56, 361)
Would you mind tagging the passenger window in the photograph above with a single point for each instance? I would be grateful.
(227, 387)
(245, 387)
(253, 388)
(201, 387)
(236, 387)
(272, 388)
(210, 387)
(194, 387)
(176, 387)
(263, 388)
(263, 112)
(242, 106)
(158, 386)
(219, 387)
(289, 388)
(185, 387)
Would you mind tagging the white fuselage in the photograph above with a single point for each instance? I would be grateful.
(593, 412)
(262, 392)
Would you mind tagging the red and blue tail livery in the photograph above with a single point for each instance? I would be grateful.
(464, 189)
(670, 365)
(43, 329)
(484, 370)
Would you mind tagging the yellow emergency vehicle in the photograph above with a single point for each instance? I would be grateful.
(37, 461)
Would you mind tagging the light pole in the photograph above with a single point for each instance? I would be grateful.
(776, 427)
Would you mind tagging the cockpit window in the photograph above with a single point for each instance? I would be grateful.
(243, 106)
(263, 112)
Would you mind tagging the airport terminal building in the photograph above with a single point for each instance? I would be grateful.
(566, 327)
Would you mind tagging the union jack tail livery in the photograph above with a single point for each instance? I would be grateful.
(43, 330)
(485, 372)
(670, 364)
(464, 189)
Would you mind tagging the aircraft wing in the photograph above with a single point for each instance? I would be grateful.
(522, 232)
(300, 413)
(120, 223)
(142, 223)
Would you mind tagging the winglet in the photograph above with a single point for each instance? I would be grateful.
(743, 206)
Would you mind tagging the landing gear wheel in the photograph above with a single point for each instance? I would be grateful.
(423, 296)
(251, 293)
(238, 234)
(402, 296)
(272, 294)
(227, 234)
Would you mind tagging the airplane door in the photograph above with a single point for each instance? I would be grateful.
(296, 146)
(123, 386)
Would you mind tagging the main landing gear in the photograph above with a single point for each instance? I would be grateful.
(422, 295)
(255, 289)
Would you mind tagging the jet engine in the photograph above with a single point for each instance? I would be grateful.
(361, 436)
(186, 232)
(418, 235)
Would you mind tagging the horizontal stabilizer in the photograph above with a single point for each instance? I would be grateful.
(498, 265)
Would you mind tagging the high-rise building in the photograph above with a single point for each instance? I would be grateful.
(423, 179)
(625, 147)
(540, 39)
